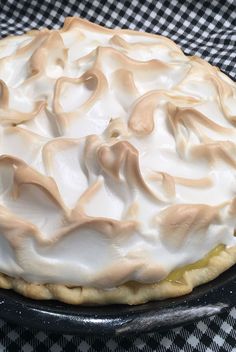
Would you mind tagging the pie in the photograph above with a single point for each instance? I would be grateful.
(117, 166)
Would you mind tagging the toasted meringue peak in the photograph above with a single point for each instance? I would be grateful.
(118, 156)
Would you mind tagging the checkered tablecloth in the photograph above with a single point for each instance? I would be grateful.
(204, 28)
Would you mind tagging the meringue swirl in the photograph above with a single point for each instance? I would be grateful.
(117, 156)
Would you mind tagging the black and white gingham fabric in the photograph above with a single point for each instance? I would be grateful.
(203, 28)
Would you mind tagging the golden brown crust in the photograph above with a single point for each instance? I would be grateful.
(132, 293)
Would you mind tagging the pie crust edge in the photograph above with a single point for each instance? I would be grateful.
(130, 293)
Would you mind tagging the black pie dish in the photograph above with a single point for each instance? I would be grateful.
(206, 300)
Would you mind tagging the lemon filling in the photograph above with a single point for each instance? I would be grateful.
(177, 276)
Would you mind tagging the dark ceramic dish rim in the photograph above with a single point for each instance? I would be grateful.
(206, 300)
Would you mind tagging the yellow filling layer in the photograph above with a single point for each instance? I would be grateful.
(177, 275)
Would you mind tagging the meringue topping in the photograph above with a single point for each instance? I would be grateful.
(117, 156)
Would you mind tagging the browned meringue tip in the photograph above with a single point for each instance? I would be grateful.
(4, 95)
(78, 22)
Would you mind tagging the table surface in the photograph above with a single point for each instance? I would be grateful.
(206, 29)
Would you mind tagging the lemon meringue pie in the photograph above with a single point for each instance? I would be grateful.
(117, 166)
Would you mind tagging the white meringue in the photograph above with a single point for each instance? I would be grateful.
(118, 157)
